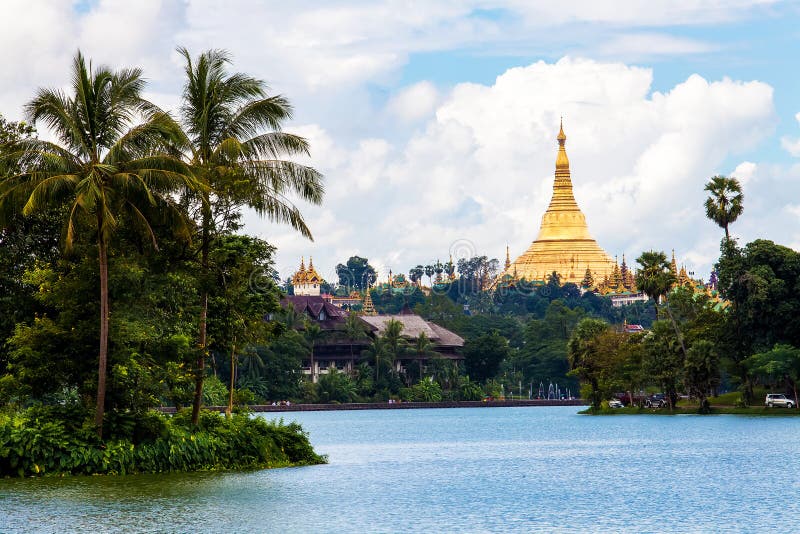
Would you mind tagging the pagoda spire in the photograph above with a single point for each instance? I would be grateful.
(508, 260)
(367, 307)
(564, 241)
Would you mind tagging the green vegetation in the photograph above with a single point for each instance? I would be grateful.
(56, 440)
(700, 346)
(133, 218)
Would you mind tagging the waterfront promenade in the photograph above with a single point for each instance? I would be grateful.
(398, 405)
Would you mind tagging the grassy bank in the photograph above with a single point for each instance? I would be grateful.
(57, 440)
(694, 410)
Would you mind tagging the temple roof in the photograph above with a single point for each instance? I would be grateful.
(312, 305)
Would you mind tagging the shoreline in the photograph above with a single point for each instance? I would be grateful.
(268, 408)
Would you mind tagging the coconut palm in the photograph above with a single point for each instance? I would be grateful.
(423, 349)
(233, 141)
(354, 330)
(724, 204)
(104, 167)
(379, 353)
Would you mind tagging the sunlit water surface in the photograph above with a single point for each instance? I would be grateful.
(459, 470)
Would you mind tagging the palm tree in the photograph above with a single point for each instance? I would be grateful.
(379, 353)
(423, 349)
(233, 141)
(724, 204)
(655, 279)
(354, 330)
(312, 332)
(103, 167)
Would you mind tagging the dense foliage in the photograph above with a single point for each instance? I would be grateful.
(56, 441)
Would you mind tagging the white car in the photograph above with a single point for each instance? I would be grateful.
(614, 403)
(776, 399)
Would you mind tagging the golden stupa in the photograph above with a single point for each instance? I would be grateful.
(564, 244)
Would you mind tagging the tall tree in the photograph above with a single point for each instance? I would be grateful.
(233, 141)
(724, 204)
(781, 362)
(655, 279)
(103, 166)
(356, 273)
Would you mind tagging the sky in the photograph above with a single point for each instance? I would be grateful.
(434, 123)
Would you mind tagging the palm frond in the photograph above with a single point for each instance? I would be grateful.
(255, 116)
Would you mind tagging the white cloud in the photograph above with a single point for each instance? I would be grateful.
(482, 168)
(414, 102)
(790, 145)
(640, 45)
(478, 163)
(745, 172)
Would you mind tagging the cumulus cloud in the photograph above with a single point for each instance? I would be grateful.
(426, 166)
(481, 169)
(792, 145)
(414, 102)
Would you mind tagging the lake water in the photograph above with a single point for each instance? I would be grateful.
(460, 470)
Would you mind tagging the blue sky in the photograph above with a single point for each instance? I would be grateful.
(435, 122)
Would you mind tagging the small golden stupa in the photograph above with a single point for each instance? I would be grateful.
(564, 244)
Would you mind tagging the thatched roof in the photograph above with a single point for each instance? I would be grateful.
(413, 326)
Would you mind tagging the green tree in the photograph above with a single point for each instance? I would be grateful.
(760, 282)
(655, 279)
(239, 301)
(483, 355)
(701, 371)
(233, 141)
(354, 330)
(313, 333)
(427, 390)
(356, 273)
(103, 167)
(781, 362)
(422, 349)
(335, 386)
(585, 357)
(380, 355)
(724, 204)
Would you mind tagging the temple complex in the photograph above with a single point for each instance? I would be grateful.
(564, 244)
(307, 282)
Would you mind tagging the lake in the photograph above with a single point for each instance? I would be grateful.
(459, 470)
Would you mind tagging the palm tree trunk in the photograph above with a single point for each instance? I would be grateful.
(233, 379)
(675, 327)
(203, 338)
(103, 358)
(313, 377)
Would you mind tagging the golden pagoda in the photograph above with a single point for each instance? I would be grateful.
(564, 244)
(368, 307)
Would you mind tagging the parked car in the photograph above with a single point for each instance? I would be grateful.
(615, 403)
(776, 399)
(657, 400)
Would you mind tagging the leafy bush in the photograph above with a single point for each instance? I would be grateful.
(336, 386)
(215, 393)
(61, 440)
(426, 390)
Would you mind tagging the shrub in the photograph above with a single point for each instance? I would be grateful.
(61, 440)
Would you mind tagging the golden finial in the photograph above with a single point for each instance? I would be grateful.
(508, 259)
(562, 161)
(302, 263)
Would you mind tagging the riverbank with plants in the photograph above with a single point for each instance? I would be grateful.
(58, 441)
